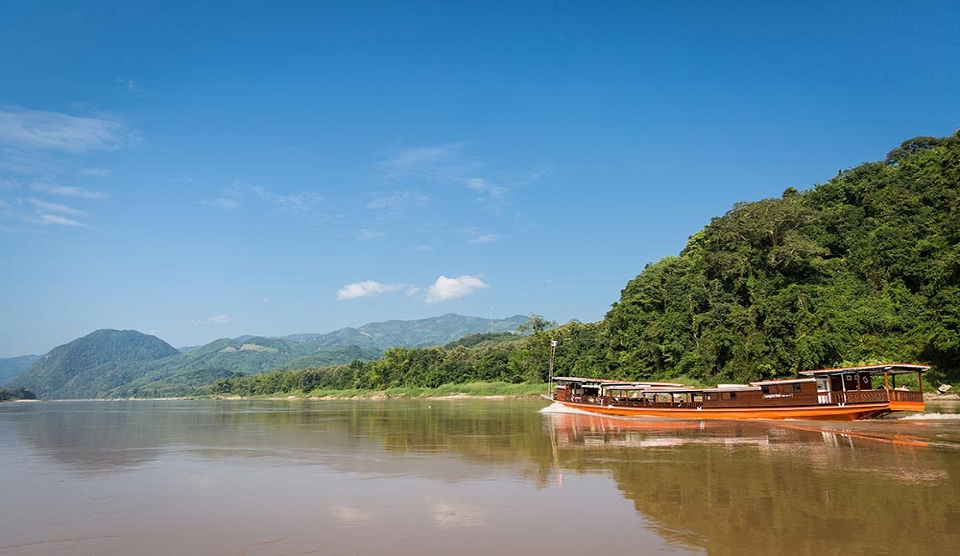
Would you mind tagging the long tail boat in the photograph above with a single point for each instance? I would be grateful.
(843, 394)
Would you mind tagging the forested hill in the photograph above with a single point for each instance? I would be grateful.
(862, 268)
(89, 365)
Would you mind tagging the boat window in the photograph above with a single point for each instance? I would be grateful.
(765, 389)
(733, 395)
(797, 387)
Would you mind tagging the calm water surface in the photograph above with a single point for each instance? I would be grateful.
(465, 477)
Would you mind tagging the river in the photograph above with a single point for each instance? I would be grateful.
(465, 476)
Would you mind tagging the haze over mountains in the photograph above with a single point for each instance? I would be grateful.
(122, 363)
(13, 366)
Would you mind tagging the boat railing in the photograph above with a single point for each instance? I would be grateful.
(870, 396)
(641, 402)
(905, 396)
(863, 396)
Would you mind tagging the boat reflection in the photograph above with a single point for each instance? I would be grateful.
(772, 487)
(575, 428)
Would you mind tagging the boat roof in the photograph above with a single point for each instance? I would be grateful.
(618, 383)
(589, 380)
(782, 381)
(676, 388)
(732, 388)
(654, 387)
(887, 368)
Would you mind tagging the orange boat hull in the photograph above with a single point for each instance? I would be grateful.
(818, 412)
(906, 406)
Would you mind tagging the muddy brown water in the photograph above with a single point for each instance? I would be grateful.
(468, 476)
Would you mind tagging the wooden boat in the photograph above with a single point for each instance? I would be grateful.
(843, 394)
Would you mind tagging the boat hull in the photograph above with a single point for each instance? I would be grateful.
(897, 405)
(847, 412)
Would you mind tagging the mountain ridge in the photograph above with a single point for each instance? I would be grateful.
(115, 363)
(85, 366)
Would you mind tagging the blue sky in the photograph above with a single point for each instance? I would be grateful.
(198, 170)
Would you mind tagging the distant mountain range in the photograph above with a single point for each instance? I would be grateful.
(13, 366)
(124, 363)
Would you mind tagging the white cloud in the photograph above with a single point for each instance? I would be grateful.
(449, 165)
(22, 161)
(55, 207)
(398, 203)
(420, 161)
(67, 191)
(52, 131)
(45, 212)
(45, 146)
(367, 289)
(453, 288)
(484, 186)
(286, 203)
(60, 221)
(95, 172)
(478, 237)
(443, 289)
(240, 192)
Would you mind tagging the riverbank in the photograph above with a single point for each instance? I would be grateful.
(937, 397)
(490, 390)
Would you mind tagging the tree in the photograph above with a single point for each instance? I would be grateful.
(536, 324)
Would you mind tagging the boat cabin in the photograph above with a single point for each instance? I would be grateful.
(872, 383)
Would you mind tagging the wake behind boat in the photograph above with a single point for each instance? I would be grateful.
(843, 394)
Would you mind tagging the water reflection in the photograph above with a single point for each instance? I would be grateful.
(779, 487)
(95, 437)
(471, 476)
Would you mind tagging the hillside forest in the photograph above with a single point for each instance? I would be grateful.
(861, 269)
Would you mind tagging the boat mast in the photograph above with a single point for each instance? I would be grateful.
(553, 351)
